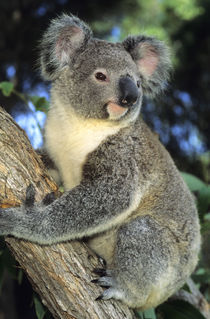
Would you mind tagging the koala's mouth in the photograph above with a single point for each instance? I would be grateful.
(115, 110)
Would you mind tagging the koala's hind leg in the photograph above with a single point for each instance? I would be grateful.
(140, 275)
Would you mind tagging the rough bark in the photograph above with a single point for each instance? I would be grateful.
(60, 273)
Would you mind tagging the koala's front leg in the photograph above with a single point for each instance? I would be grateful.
(91, 207)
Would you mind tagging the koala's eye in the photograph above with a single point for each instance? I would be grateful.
(100, 76)
(138, 83)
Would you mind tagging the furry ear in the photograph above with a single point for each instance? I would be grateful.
(152, 59)
(65, 37)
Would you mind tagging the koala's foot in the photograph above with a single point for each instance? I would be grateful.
(107, 280)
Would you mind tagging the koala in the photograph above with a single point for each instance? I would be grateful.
(123, 193)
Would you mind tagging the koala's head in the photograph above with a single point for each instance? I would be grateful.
(100, 79)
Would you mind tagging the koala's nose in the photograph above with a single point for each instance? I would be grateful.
(129, 92)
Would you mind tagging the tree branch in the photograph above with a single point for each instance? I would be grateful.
(60, 273)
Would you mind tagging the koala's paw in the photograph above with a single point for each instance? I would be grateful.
(48, 199)
(7, 221)
(107, 280)
(30, 197)
(11, 218)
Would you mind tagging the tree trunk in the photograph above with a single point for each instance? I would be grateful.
(61, 273)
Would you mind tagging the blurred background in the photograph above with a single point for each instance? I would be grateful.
(181, 116)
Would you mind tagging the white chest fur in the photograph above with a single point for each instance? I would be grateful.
(69, 139)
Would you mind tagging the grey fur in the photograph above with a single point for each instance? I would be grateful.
(48, 59)
(123, 191)
(157, 83)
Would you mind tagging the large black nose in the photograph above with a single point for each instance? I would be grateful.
(129, 92)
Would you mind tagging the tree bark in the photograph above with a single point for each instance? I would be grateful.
(61, 273)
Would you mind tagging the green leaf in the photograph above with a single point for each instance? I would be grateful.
(203, 190)
(39, 308)
(147, 314)
(179, 309)
(139, 314)
(204, 199)
(186, 287)
(40, 103)
(6, 87)
(194, 183)
(202, 276)
(207, 217)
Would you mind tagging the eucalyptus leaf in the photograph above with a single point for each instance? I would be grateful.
(139, 314)
(147, 314)
(6, 87)
(204, 199)
(202, 275)
(179, 309)
(39, 308)
(194, 183)
(40, 103)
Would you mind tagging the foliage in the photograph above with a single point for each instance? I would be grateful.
(202, 191)
(40, 103)
(7, 88)
(147, 314)
(179, 309)
(151, 17)
(40, 311)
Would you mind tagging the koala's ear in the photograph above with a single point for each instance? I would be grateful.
(65, 37)
(152, 59)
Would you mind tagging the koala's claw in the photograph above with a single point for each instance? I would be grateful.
(104, 281)
(94, 281)
(107, 279)
(110, 293)
(48, 199)
(30, 196)
(100, 271)
(99, 298)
